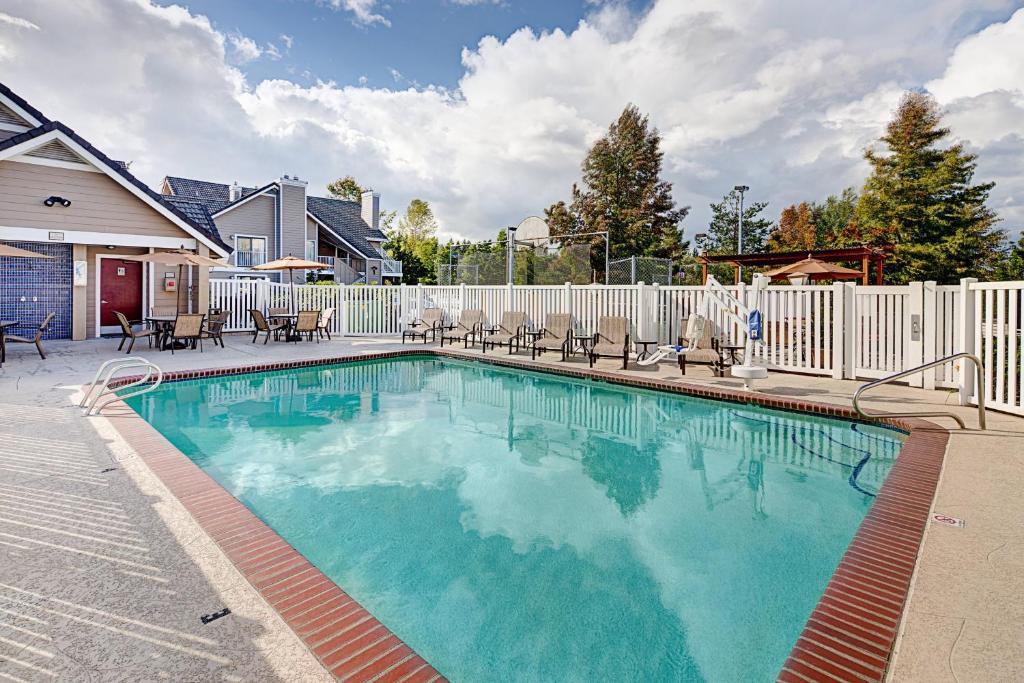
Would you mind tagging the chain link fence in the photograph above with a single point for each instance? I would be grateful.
(647, 269)
(551, 263)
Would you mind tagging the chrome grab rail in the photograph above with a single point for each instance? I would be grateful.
(116, 361)
(90, 397)
(979, 386)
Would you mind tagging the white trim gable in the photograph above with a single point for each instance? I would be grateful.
(243, 200)
(340, 238)
(13, 106)
(45, 138)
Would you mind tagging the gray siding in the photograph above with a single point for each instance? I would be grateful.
(255, 217)
(293, 223)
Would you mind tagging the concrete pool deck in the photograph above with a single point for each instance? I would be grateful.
(105, 574)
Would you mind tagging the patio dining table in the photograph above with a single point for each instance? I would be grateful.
(163, 324)
(4, 324)
(289, 320)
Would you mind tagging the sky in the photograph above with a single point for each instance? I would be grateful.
(485, 108)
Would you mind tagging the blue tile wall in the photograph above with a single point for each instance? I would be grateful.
(30, 288)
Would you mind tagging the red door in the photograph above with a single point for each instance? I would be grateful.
(120, 290)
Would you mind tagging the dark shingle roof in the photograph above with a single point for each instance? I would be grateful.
(7, 92)
(117, 168)
(196, 211)
(345, 218)
(214, 195)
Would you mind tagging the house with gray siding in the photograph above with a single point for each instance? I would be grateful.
(279, 219)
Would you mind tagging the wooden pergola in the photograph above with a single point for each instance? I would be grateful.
(867, 257)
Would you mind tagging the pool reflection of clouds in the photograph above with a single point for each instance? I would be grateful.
(712, 511)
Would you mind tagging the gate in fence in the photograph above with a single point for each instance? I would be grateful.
(841, 330)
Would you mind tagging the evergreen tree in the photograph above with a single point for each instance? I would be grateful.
(920, 197)
(346, 188)
(1012, 267)
(723, 230)
(624, 194)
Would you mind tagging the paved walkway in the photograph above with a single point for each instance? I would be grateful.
(104, 576)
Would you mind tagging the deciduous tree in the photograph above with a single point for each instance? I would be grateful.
(623, 194)
(345, 188)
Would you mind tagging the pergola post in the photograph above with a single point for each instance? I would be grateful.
(878, 265)
(865, 269)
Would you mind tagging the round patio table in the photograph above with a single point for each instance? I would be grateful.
(164, 325)
(289, 320)
(581, 342)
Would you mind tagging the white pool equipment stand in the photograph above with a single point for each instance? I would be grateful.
(748, 373)
(734, 309)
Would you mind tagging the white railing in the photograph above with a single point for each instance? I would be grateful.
(326, 260)
(840, 330)
(389, 266)
(248, 259)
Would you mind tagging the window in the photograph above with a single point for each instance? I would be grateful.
(250, 251)
(311, 250)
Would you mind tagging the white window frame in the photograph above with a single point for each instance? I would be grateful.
(266, 245)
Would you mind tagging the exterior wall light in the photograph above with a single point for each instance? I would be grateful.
(54, 199)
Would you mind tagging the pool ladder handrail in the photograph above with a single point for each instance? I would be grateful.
(979, 386)
(91, 397)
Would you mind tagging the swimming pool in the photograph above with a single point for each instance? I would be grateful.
(510, 525)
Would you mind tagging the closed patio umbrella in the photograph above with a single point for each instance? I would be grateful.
(15, 252)
(815, 269)
(291, 264)
(176, 257)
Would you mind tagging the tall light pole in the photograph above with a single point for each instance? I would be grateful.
(739, 230)
(510, 257)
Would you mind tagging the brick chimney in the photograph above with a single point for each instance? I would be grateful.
(371, 209)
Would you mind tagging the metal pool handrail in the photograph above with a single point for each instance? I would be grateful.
(106, 371)
(978, 367)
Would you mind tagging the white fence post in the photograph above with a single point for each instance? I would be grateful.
(419, 300)
(915, 346)
(850, 336)
(343, 309)
(967, 330)
(839, 329)
(403, 306)
(567, 298)
(462, 298)
(929, 336)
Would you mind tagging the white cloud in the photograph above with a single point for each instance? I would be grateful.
(244, 49)
(362, 11)
(782, 96)
(17, 22)
(287, 40)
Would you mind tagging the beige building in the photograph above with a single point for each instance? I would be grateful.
(62, 197)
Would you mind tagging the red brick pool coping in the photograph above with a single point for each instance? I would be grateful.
(849, 636)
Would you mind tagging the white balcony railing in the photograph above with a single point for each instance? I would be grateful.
(248, 259)
(327, 261)
(390, 266)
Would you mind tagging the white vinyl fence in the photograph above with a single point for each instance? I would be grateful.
(840, 330)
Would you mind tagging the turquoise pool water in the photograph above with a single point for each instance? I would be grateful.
(516, 526)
